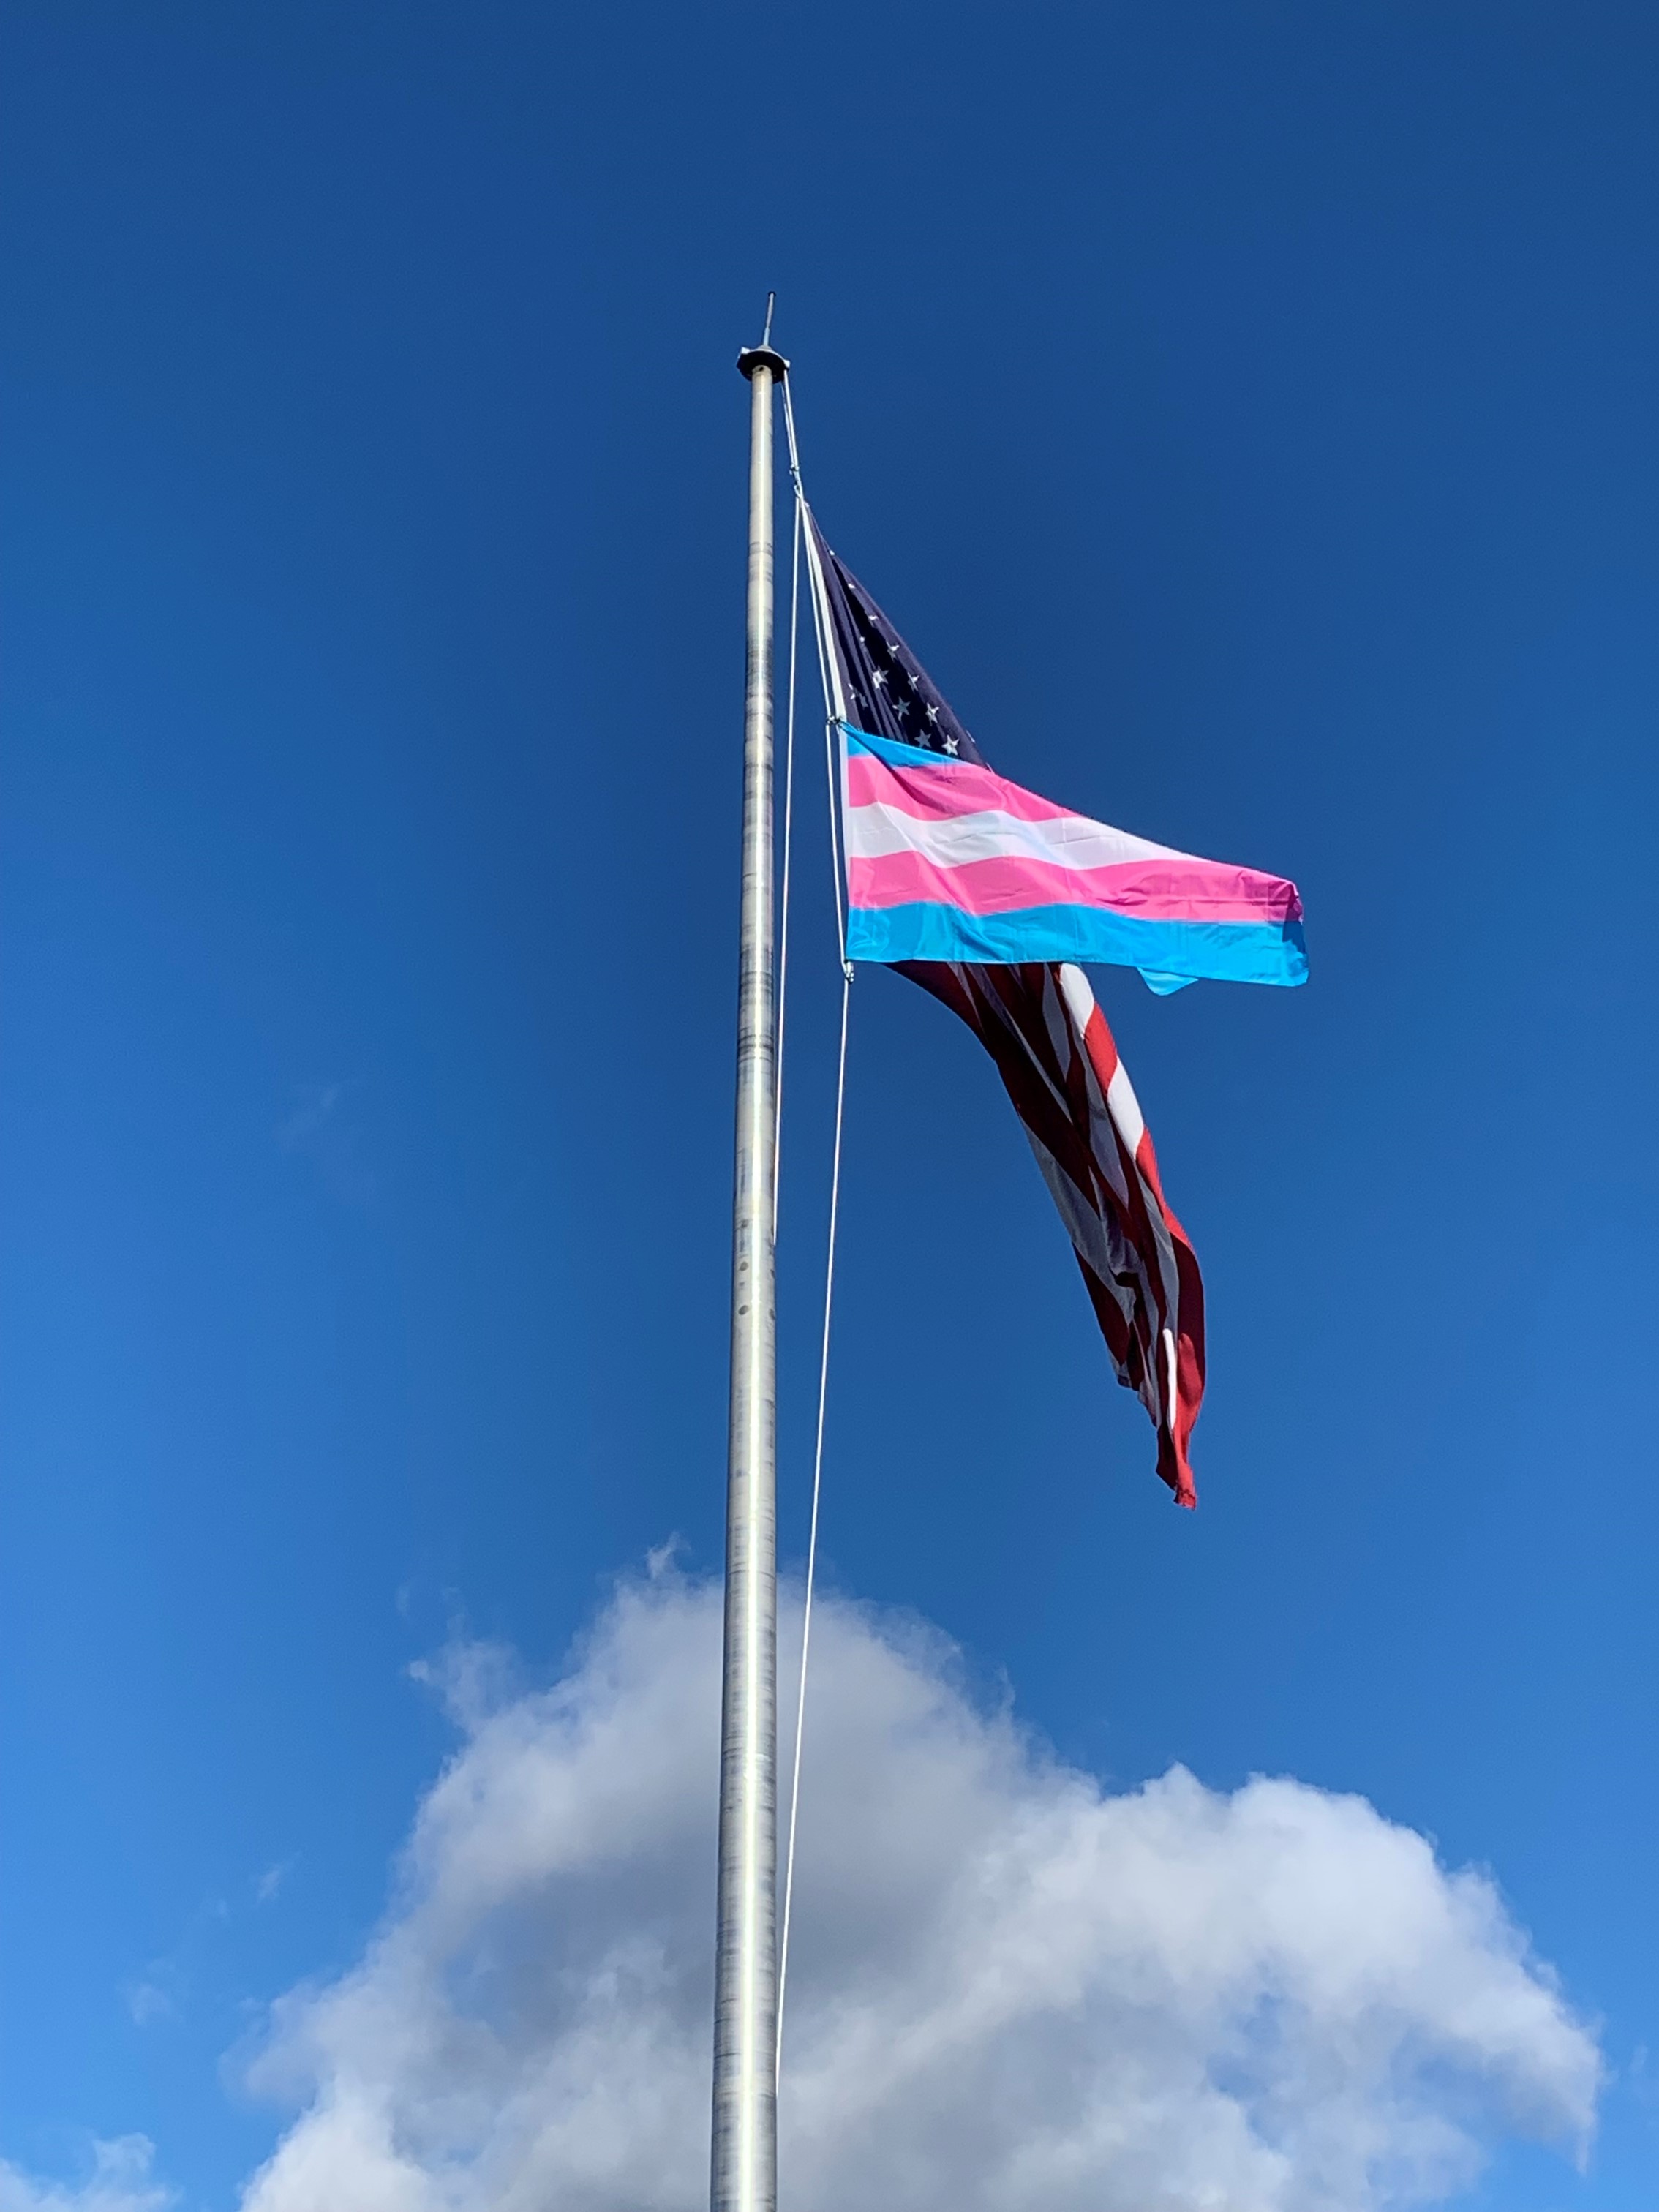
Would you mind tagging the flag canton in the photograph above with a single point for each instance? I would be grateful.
(889, 692)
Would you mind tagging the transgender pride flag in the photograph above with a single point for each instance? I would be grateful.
(947, 860)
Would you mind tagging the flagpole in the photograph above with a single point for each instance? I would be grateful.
(745, 2150)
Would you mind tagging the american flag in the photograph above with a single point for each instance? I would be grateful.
(886, 690)
(1058, 1064)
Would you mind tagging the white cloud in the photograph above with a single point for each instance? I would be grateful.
(146, 2003)
(270, 1883)
(1009, 1990)
(121, 2182)
(314, 1107)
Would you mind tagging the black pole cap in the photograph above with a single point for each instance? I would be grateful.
(763, 356)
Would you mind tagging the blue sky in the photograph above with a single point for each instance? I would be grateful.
(1247, 413)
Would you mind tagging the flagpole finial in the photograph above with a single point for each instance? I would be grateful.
(762, 355)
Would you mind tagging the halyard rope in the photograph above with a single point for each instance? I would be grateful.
(818, 1485)
(824, 647)
(789, 826)
(821, 639)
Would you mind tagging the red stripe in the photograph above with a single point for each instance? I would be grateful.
(1102, 1047)
(1175, 1431)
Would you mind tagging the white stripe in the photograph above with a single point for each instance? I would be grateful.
(1068, 841)
(1174, 1390)
(1079, 999)
(1125, 1110)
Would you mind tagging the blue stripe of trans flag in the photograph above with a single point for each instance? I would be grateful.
(1225, 951)
(890, 750)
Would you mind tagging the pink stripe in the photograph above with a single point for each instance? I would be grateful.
(1176, 890)
(935, 794)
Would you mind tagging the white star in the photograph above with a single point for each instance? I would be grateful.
(933, 714)
(951, 747)
(879, 679)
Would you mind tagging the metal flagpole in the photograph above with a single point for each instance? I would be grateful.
(744, 2162)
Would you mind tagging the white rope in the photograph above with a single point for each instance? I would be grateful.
(826, 675)
(814, 593)
(821, 637)
(812, 1539)
(829, 734)
(789, 827)
(824, 648)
